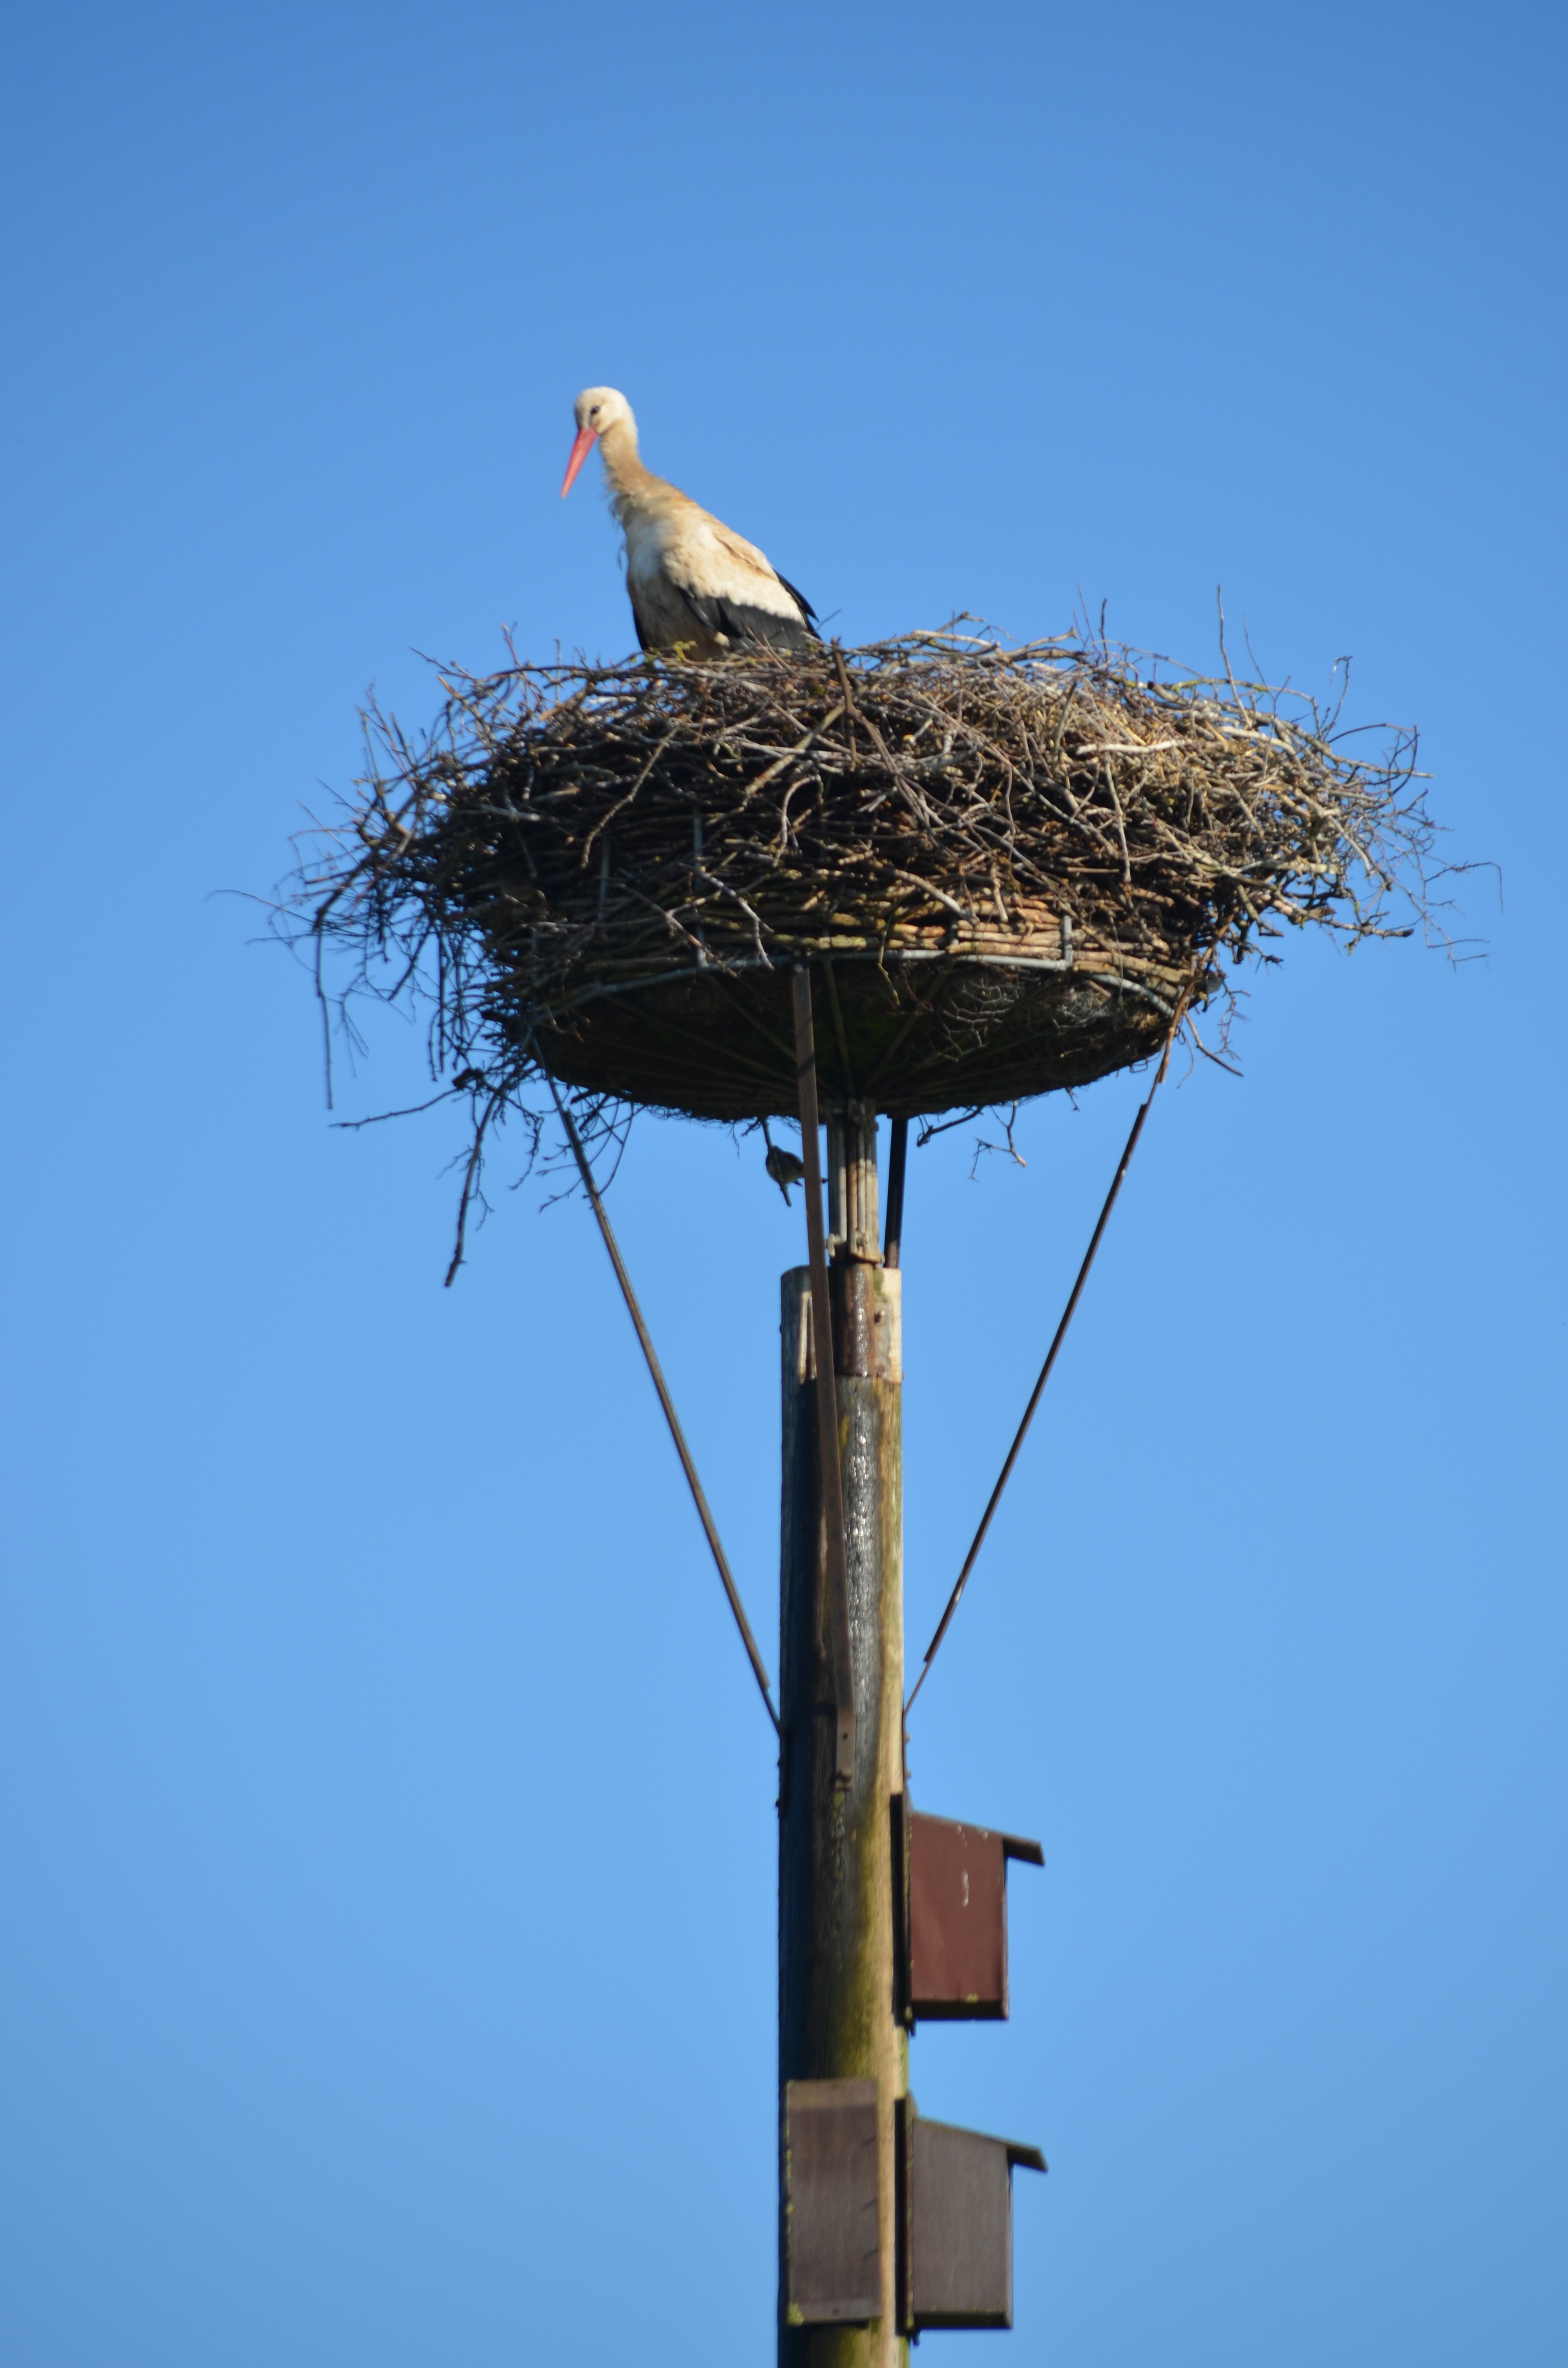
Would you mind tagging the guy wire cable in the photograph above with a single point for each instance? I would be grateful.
(1060, 1334)
(759, 1669)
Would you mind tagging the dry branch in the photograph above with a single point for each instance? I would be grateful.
(1017, 859)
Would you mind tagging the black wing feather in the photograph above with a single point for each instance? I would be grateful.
(808, 613)
(759, 628)
(709, 613)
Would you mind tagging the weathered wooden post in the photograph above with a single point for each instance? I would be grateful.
(620, 884)
(837, 2005)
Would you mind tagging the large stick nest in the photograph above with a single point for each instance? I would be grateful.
(1009, 868)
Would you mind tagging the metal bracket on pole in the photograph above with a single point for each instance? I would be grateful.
(892, 1222)
(837, 1623)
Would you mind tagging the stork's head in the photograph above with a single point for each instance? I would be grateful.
(596, 410)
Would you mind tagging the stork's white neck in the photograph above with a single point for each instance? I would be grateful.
(631, 484)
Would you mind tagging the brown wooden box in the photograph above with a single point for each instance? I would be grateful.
(955, 1915)
(832, 2243)
(955, 2223)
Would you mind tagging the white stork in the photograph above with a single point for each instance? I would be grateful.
(693, 583)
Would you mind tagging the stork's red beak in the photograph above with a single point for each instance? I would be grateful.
(580, 451)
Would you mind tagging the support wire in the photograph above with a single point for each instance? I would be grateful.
(759, 1669)
(1060, 1334)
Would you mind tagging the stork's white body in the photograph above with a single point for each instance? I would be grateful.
(695, 584)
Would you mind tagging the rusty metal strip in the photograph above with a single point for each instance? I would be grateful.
(831, 1475)
(892, 1224)
(759, 1670)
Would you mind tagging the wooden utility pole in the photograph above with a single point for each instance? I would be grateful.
(836, 2001)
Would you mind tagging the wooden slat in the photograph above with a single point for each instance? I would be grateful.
(835, 1579)
(832, 2203)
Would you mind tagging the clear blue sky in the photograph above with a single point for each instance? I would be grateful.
(387, 1957)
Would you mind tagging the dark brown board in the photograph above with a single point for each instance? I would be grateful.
(957, 1918)
(832, 2248)
(956, 2221)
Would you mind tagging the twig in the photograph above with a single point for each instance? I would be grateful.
(526, 874)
